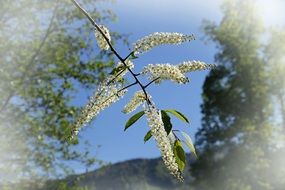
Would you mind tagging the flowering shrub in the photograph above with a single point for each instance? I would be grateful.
(112, 89)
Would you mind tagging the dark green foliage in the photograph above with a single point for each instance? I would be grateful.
(166, 121)
(134, 119)
(178, 114)
(147, 136)
(179, 155)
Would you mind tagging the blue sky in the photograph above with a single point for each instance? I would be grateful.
(140, 18)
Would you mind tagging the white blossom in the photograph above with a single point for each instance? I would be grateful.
(171, 138)
(155, 123)
(165, 72)
(188, 66)
(159, 38)
(101, 41)
(137, 100)
(103, 98)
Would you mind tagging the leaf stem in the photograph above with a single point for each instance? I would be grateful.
(151, 82)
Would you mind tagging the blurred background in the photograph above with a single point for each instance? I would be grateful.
(50, 65)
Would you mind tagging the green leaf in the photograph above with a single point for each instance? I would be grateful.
(133, 56)
(179, 155)
(117, 70)
(178, 114)
(133, 119)
(189, 143)
(147, 136)
(166, 121)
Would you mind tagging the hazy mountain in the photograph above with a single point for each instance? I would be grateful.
(137, 174)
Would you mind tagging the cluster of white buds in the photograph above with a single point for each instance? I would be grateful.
(136, 101)
(158, 132)
(158, 38)
(171, 138)
(101, 41)
(103, 98)
(188, 66)
(165, 72)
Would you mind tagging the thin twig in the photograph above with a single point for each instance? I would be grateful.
(127, 87)
(111, 47)
(128, 55)
(151, 82)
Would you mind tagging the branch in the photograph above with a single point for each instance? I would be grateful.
(111, 47)
(151, 82)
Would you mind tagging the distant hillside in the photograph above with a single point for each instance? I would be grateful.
(137, 174)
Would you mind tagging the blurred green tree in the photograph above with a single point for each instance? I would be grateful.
(235, 133)
(275, 59)
(47, 52)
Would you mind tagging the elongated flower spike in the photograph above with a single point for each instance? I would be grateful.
(165, 72)
(103, 98)
(188, 66)
(101, 41)
(156, 125)
(136, 101)
(105, 95)
(159, 38)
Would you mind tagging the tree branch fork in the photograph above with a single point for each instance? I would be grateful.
(123, 60)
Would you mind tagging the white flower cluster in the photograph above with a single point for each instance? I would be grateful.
(105, 95)
(188, 66)
(103, 98)
(136, 101)
(157, 129)
(101, 41)
(171, 138)
(165, 72)
(158, 38)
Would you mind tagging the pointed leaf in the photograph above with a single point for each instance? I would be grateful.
(133, 56)
(166, 121)
(133, 119)
(189, 143)
(178, 114)
(179, 155)
(117, 70)
(147, 136)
